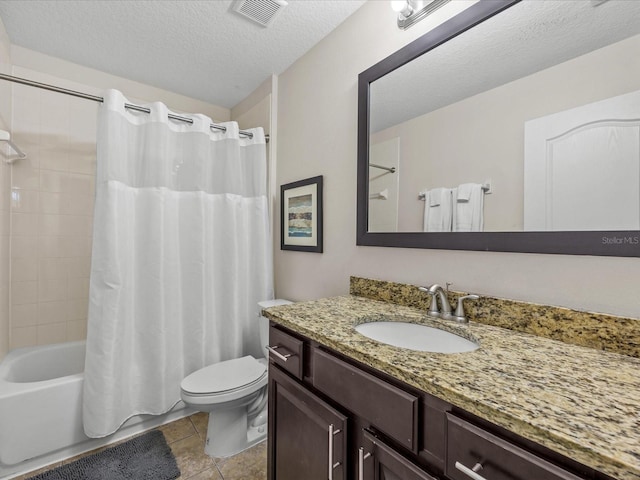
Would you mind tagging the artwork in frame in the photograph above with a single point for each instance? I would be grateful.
(301, 215)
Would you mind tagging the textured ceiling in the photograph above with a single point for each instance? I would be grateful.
(197, 48)
(526, 38)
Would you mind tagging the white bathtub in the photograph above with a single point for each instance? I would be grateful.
(41, 408)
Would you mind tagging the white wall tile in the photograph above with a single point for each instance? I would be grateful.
(83, 163)
(24, 315)
(24, 292)
(75, 225)
(52, 290)
(79, 267)
(24, 246)
(24, 224)
(76, 330)
(25, 177)
(53, 181)
(24, 269)
(77, 246)
(55, 156)
(52, 268)
(52, 246)
(23, 337)
(51, 333)
(78, 288)
(78, 309)
(24, 201)
(52, 312)
(79, 184)
(51, 203)
(78, 205)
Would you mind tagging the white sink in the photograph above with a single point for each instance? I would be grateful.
(416, 337)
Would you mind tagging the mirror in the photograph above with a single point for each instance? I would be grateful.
(514, 127)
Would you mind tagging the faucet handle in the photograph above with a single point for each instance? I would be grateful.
(433, 306)
(460, 315)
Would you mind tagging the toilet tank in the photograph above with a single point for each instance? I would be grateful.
(263, 322)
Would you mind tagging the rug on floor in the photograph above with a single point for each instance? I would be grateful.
(147, 457)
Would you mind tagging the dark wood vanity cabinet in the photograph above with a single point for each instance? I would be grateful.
(333, 418)
(306, 434)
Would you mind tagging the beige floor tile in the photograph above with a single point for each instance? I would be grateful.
(186, 438)
(190, 456)
(200, 422)
(208, 474)
(177, 430)
(249, 465)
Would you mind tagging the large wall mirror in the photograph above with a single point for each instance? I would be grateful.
(514, 126)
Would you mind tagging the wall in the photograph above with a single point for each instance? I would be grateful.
(5, 179)
(491, 145)
(53, 190)
(317, 125)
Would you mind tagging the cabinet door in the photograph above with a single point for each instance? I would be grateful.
(307, 437)
(474, 453)
(379, 461)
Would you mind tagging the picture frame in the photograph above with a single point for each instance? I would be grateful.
(301, 215)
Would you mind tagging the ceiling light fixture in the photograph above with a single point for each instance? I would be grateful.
(411, 12)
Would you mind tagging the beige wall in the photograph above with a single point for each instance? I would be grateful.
(5, 179)
(53, 190)
(491, 145)
(317, 125)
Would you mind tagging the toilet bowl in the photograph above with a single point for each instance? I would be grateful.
(234, 393)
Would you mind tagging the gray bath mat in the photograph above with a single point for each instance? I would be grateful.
(147, 457)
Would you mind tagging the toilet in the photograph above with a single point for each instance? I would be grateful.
(234, 392)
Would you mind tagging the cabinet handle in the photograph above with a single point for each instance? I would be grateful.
(361, 458)
(471, 472)
(284, 358)
(332, 465)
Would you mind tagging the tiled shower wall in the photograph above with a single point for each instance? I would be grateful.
(52, 196)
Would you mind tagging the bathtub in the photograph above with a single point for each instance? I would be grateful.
(41, 408)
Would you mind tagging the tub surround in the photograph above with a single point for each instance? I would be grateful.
(593, 330)
(580, 402)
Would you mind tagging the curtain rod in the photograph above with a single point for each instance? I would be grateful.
(95, 98)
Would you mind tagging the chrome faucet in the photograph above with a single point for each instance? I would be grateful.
(436, 292)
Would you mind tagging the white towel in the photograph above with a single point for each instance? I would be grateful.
(468, 200)
(438, 210)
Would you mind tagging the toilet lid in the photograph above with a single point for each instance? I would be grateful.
(223, 376)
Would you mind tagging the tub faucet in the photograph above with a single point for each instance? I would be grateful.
(436, 292)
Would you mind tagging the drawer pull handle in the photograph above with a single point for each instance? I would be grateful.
(284, 358)
(332, 465)
(471, 472)
(361, 458)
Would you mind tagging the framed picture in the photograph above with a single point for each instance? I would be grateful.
(301, 215)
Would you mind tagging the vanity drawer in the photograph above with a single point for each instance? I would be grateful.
(286, 351)
(390, 410)
(469, 446)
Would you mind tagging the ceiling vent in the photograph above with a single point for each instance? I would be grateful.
(262, 12)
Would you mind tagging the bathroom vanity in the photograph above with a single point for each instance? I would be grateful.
(525, 407)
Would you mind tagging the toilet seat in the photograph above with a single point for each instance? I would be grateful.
(225, 381)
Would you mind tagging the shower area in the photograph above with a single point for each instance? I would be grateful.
(46, 227)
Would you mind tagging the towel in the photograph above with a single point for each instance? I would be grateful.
(438, 210)
(468, 200)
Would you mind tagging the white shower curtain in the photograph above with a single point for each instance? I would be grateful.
(181, 255)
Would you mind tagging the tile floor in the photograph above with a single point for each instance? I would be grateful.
(186, 438)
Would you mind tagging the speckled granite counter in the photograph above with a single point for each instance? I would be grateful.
(580, 402)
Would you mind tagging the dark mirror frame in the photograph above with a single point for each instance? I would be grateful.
(604, 243)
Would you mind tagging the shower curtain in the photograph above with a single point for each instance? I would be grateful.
(181, 256)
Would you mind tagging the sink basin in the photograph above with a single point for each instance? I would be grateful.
(416, 337)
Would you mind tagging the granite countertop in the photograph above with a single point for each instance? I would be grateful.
(580, 402)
